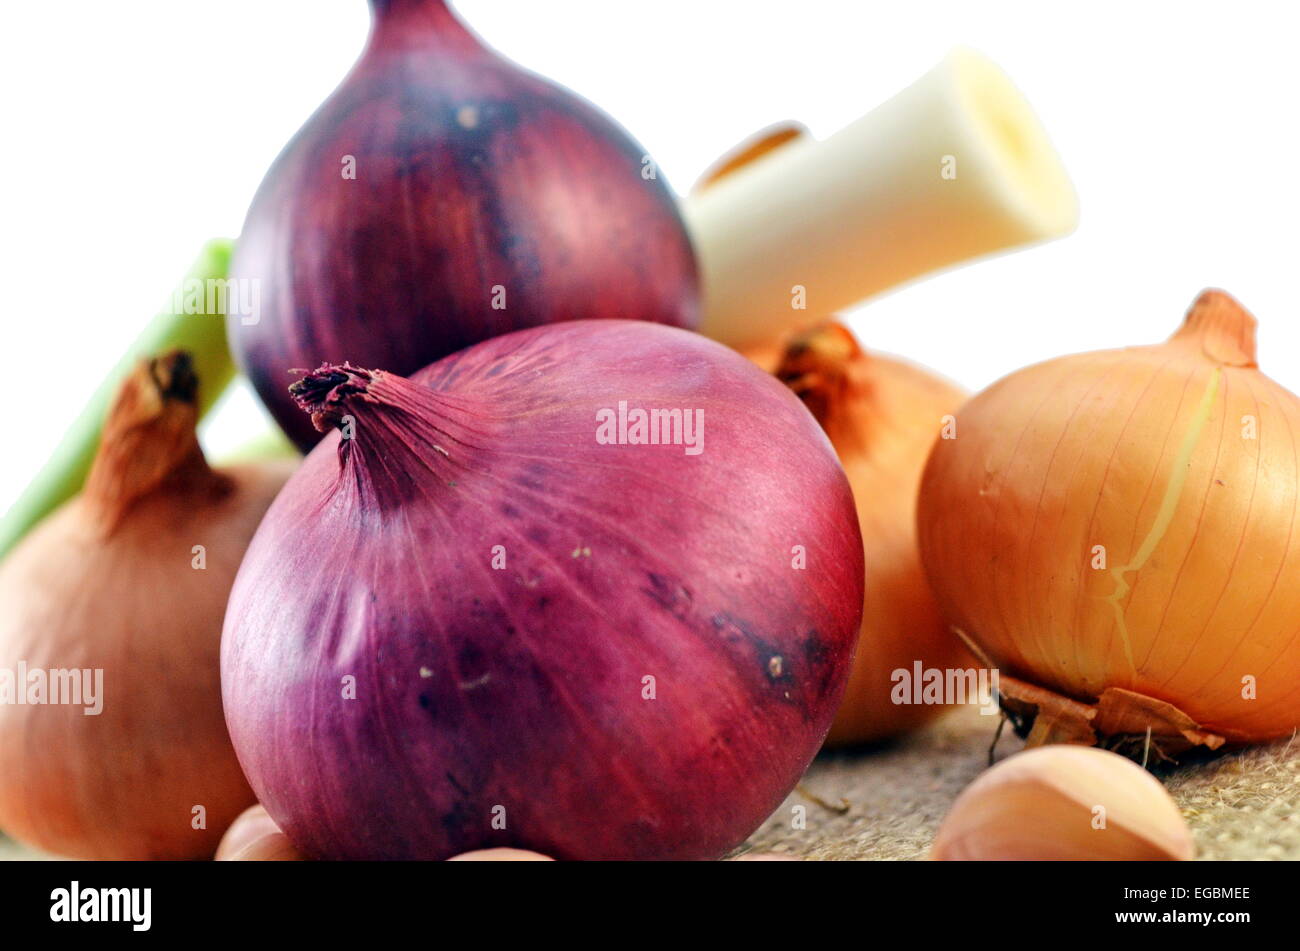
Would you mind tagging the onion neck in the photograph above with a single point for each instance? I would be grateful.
(326, 393)
(1221, 329)
(398, 437)
(414, 24)
(149, 445)
(828, 370)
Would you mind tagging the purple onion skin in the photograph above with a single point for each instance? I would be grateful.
(522, 688)
(470, 173)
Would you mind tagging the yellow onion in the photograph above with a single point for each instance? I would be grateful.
(1119, 532)
(766, 355)
(881, 415)
(123, 591)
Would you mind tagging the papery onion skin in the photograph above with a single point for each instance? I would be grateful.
(109, 582)
(273, 847)
(1147, 452)
(882, 415)
(471, 174)
(522, 689)
(767, 356)
(252, 824)
(1045, 805)
(766, 857)
(500, 855)
(254, 837)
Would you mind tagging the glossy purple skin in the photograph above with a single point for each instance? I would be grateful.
(471, 174)
(523, 687)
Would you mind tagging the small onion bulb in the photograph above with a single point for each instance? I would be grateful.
(254, 837)
(501, 855)
(1064, 803)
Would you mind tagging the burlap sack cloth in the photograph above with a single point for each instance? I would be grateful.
(886, 803)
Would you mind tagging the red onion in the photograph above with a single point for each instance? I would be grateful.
(612, 650)
(442, 196)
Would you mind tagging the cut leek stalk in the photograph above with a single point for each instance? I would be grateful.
(203, 334)
(953, 167)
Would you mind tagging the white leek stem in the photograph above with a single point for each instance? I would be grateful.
(953, 167)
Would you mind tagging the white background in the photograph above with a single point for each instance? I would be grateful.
(132, 131)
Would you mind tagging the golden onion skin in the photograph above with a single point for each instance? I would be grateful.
(109, 583)
(1178, 460)
(1064, 803)
(881, 415)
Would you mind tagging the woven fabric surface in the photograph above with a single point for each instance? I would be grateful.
(887, 803)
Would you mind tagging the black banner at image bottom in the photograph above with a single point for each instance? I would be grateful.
(174, 901)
